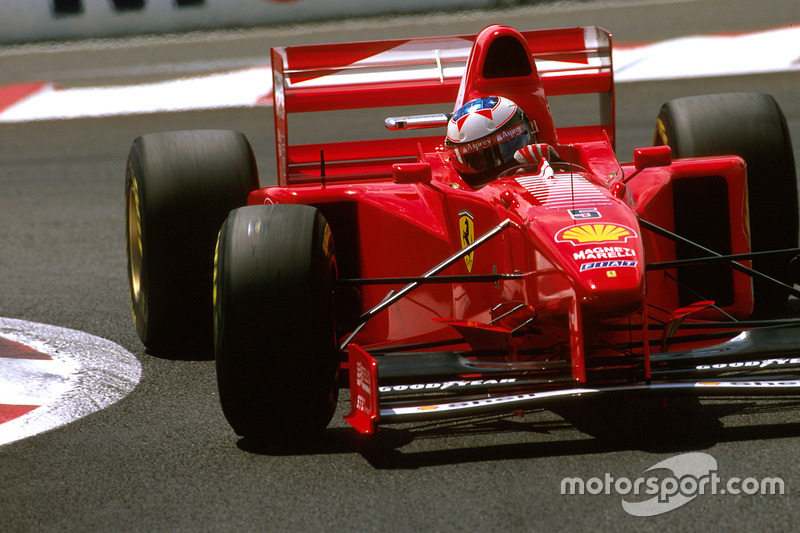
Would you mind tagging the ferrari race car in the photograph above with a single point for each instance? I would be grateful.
(496, 264)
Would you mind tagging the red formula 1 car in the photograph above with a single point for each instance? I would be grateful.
(497, 264)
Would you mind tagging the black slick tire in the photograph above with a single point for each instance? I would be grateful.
(179, 187)
(753, 127)
(276, 354)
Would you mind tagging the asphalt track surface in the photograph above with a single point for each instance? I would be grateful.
(164, 459)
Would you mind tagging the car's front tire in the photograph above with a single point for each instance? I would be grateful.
(275, 340)
(753, 127)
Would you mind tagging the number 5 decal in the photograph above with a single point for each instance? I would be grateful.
(583, 214)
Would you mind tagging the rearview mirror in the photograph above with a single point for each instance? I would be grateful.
(411, 172)
(652, 156)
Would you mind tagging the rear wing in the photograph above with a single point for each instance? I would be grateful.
(409, 72)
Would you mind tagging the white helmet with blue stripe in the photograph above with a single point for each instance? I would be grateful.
(483, 136)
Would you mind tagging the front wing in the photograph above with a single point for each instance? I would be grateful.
(409, 387)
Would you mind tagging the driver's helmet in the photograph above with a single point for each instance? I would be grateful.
(483, 136)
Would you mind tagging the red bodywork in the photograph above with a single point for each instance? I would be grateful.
(562, 285)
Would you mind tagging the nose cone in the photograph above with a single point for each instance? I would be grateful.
(606, 262)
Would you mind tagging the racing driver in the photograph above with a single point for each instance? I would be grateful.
(489, 135)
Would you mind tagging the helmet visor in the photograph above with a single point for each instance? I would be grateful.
(492, 153)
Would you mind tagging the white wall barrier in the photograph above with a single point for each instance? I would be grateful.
(36, 20)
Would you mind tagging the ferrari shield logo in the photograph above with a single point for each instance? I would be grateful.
(467, 231)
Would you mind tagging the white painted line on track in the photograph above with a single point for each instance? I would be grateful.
(775, 50)
(69, 375)
(34, 382)
(242, 88)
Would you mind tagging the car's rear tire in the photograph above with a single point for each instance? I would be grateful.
(179, 187)
(275, 339)
(752, 126)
